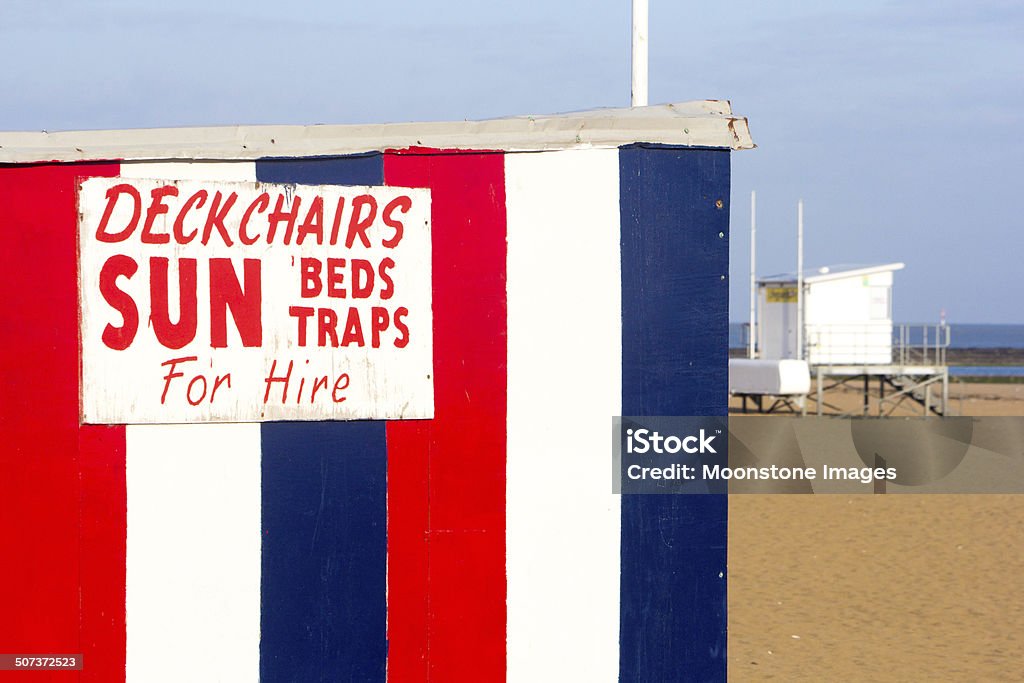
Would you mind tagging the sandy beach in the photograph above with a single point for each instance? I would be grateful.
(876, 588)
(987, 399)
(880, 588)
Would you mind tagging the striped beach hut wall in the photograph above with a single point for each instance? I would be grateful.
(453, 518)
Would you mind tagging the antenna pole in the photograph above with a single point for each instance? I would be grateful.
(800, 280)
(752, 344)
(639, 91)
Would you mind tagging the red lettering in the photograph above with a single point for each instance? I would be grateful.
(259, 205)
(320, 383)
(362, 279)
(220, 379)
(302, 314)
(270, 379)
(215, 219)
(338, 386)
(310, 282)
(328, 327)
(188, 391)
(314, 223)
(302, 383)
(173, 335)
(337, 221)
(388, 290)
(403, 340)
(113, 194)
(357, 225)
(197, 200)
(119, 338)
(245, 303)
(404, 203)
(379, 323)
(335, 278)
(171, 374)
(279, 215)
(353, 329)
(157, 208)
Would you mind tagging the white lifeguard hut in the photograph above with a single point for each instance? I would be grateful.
(835, 325)
(847, 335)
(847, 315)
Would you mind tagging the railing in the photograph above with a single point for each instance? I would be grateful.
(928, 348)
(877, 343)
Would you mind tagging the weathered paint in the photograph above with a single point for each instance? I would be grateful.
(448, 559)
(674, 362)
(324, 490)
(702, 123)
(305, 302)
(563, 520)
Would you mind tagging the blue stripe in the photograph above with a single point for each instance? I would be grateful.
(674, 362)
(324, 582)
(356, 169)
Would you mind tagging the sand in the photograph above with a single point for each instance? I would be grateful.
(876, 588)
(987, 399)
(880, 588)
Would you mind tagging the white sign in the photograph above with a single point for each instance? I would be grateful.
(241, 302)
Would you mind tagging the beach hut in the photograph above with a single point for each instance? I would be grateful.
(333, 402)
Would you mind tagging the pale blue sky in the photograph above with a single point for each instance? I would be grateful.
(898, 122)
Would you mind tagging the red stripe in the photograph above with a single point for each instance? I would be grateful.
(446, 477)
(62, 488)
(103, 536)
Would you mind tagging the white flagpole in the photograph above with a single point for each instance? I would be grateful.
(800, 280)
(752, 345)
(639, 91)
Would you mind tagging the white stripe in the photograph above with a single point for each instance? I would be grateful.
(237, 171)
(564, 385)
(194, 531)
(193, 553)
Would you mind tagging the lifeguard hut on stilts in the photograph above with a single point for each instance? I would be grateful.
(817, 330)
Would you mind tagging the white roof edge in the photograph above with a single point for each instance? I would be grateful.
(702, 123)
(836, 275)
(855, 272)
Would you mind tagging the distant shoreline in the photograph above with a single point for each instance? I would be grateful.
(955, 356)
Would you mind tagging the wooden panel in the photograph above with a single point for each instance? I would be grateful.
(61, 486)
(564, 379)
(675, 261)
(324, 563)
(446, 544)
